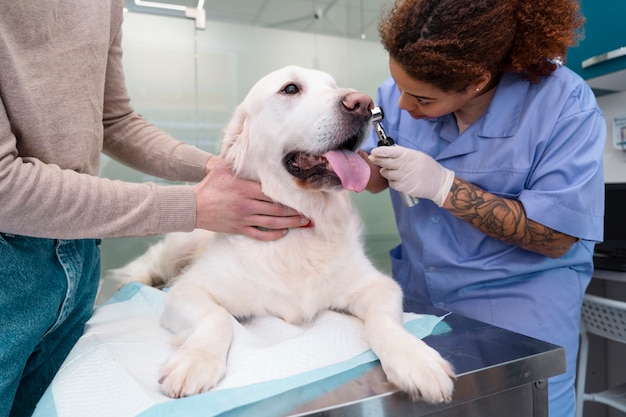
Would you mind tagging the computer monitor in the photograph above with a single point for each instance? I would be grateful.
(614, 216)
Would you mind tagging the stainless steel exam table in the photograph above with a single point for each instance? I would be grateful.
(500, 373)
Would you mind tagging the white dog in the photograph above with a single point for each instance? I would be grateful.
(295, 133)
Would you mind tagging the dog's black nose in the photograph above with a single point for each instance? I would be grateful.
(358, 102)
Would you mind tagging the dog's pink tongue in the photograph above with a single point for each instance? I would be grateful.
(351, 169)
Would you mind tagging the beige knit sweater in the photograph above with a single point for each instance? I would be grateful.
(63, 101)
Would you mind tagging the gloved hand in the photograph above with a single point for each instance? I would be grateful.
(413, 172)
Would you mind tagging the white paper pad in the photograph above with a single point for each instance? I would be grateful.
(113, 369)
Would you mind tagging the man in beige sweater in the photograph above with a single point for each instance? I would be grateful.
(63, 101)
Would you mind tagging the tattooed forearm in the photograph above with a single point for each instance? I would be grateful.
(505, 220)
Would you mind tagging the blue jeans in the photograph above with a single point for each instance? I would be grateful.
(47, 293)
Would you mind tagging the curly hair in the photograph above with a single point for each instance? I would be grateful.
(450, 43)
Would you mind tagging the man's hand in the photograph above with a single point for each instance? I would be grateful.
(413, 172)
(227, 204)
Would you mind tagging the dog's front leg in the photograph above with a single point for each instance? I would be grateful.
(409, 363)
(204, 331)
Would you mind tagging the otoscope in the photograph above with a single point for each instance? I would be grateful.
(385, 140)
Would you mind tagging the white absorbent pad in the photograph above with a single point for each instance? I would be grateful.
(113, 369)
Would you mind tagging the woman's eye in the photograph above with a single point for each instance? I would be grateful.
(291, 89)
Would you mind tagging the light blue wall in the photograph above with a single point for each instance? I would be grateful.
(188, 82)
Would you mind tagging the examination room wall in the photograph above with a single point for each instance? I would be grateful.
(614, 107)
(189, 81)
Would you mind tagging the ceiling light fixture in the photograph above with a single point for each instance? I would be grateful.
(197, 13)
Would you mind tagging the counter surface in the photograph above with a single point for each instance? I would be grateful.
(499, 373)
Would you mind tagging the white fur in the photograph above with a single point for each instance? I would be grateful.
(294, 278)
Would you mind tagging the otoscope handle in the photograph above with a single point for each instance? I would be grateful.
(409, 200)
(386, 140)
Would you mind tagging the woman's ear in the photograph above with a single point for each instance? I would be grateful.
(481, 82)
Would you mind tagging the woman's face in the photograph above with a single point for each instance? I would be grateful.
(422, 100)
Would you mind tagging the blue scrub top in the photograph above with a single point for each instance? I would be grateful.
(541, 144)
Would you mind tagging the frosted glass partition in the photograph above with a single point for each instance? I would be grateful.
(189, 81)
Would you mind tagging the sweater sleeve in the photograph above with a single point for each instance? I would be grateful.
(43, 200)
(53, 126)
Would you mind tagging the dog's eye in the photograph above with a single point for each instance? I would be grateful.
(291, 89)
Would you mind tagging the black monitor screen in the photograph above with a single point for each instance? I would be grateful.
(615, 212)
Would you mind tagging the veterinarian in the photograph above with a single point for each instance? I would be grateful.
(62, 102)
(503, 145)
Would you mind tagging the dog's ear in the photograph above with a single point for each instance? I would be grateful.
(233, 129)
(235, 142)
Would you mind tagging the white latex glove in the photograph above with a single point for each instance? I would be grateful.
(413, 172)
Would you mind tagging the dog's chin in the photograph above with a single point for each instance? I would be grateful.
(311, 171)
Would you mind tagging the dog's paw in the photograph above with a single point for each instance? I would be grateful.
(420, 371)
(189, 372)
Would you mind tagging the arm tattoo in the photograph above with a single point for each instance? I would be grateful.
(504, 219)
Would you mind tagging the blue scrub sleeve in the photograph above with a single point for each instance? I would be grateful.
(570, 197)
